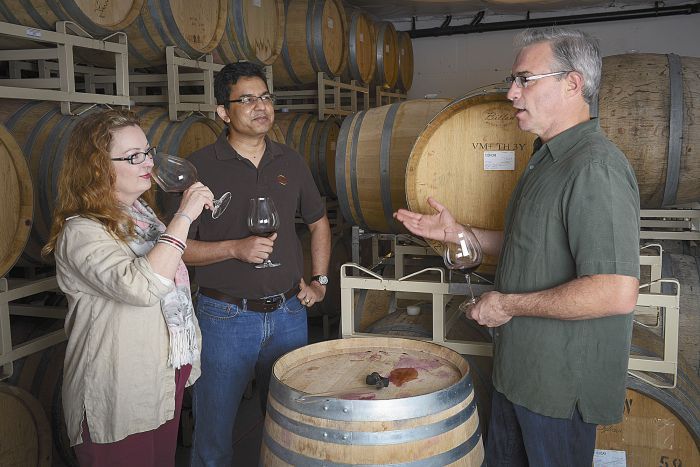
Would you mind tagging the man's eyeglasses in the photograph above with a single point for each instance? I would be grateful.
(251, 100)
(522, 81)
(137, 157)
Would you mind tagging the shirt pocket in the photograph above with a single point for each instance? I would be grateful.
(528, 229)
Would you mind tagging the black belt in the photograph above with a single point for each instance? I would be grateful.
(262, 305)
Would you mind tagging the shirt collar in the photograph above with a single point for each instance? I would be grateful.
(224, 150)
(560, 146)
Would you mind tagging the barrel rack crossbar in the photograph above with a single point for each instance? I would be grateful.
(442, 292)
(197, 72)
(384, 97)
(8, 353)
(62, 88)
(670, 224)
(331, 97)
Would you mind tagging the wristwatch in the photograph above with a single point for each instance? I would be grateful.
(321, 279)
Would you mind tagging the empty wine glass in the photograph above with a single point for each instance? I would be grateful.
(462, 252)
(175, 174)
(263, 221)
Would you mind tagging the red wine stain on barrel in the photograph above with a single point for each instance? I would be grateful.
(360, 396)
(399, 376)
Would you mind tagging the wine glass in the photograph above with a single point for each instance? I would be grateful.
(462, 252)
(263, 221)
(175, 174)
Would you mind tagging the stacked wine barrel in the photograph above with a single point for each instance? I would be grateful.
(33, 148)
(149, 26)
(315, 140)
(315, 41)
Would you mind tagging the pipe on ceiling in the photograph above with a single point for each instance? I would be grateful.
(555, 21)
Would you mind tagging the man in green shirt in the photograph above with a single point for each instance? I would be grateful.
(567, 277)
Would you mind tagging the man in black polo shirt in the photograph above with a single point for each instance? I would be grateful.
(567, 277)
(248, 316)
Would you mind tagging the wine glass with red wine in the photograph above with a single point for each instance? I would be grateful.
(175, 174)
(462, 252)
(263, 221)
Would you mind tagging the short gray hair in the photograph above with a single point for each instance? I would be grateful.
(573, 50)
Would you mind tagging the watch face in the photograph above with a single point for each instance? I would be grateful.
(323, 280)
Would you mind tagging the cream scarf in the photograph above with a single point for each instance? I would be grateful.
(177, 304)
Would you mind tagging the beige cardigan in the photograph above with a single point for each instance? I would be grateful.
(116, 368)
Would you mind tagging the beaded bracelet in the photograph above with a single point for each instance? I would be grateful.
(180, 213)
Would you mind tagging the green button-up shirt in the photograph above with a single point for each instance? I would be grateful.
(574, 212)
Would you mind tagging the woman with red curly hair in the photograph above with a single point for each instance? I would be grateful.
(133, 339)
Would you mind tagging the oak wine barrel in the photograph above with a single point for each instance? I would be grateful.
(387, 52)
(24, 430)
(362, 58)
(321, 411)
(315, 40)
(469, 157)
(316, 140)
(405, 77)
(98, 18)
(276, 134)
(43, 133)
(657, 422)
(370, 166)
(180, 138)
(41, 375)
(387, 315)
(195, 28)
(649, 106)
(16, 201)
(254, 32)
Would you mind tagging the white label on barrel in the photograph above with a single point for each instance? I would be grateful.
(387, 48)
(609, 458)
(330, 23)
(362, 37)
(257, 3)
(499, 160)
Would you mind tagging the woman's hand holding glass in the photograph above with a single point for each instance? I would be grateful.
(194, 200)
(175, 174)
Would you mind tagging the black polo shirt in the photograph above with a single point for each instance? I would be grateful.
(282, 175)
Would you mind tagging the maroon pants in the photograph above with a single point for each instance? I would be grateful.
(155, 448)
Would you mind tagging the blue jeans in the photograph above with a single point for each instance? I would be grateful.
(236, 344)
(520, 437)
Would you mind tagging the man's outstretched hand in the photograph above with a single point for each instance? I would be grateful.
(430, 226)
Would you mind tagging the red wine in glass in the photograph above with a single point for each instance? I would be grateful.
(263, 221)
(175, 174)
(462, 252)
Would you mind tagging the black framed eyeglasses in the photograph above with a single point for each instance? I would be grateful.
(137, 157)
(251, 100)
(522, 81)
